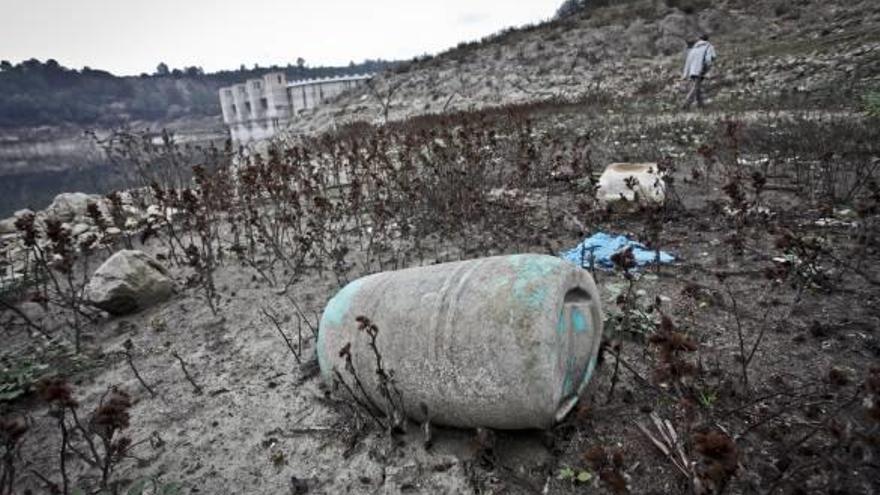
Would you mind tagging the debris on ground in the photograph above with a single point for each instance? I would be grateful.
(597, 250)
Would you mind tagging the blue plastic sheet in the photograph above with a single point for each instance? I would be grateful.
(603, 246)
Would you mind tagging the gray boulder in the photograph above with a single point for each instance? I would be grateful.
(128, 282)
(7, 226)
(70, 206)
(79, 229)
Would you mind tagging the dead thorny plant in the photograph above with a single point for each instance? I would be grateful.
(197, 389)
(718, 463)
(60, 269)
(12, 432)
(633, 322)
(672, 348)
(389, 413)
(609, 463)
(276, 321)
(424, 190)
(204, 256)
(99, 442)
(128, 352)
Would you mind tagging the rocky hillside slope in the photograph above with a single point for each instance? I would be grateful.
(772, 54)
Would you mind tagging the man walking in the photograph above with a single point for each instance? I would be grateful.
(700, 59)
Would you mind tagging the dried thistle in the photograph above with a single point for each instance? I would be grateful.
(57, 391)
(12, 428)
(61, 245)
(624, 259)
(720, 459)
(25, 224)
(112, 414)
(345, 352)
(671, 345)
(94, 213)
(609, 464)
(838, 377)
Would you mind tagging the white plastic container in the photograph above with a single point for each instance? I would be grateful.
(645, 178)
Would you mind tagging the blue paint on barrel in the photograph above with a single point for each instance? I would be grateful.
(578, 321)
(531, 272)
(334, 315)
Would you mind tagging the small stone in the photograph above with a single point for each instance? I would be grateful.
(68, 206)
(79, 229)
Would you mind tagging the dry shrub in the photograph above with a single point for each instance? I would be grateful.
(608, 463)
(719, 461)
(672, 347)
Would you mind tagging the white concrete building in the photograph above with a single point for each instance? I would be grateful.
(258, 108)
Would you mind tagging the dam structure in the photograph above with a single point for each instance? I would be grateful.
(258, 108)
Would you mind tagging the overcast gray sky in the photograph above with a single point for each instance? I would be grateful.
(133, 36)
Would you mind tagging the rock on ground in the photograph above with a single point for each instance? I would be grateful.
(7, 226)
(128, 282)
(69, 206)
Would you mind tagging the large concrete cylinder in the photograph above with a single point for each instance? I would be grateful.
(507, 342)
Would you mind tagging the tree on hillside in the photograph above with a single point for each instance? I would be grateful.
(194, 71)
(570, 7)
(162, 69)
(300, 62)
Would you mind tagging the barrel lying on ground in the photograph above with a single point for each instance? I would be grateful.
(507, 342)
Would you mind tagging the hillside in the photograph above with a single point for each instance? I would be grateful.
(773, 55)
(34, 93)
